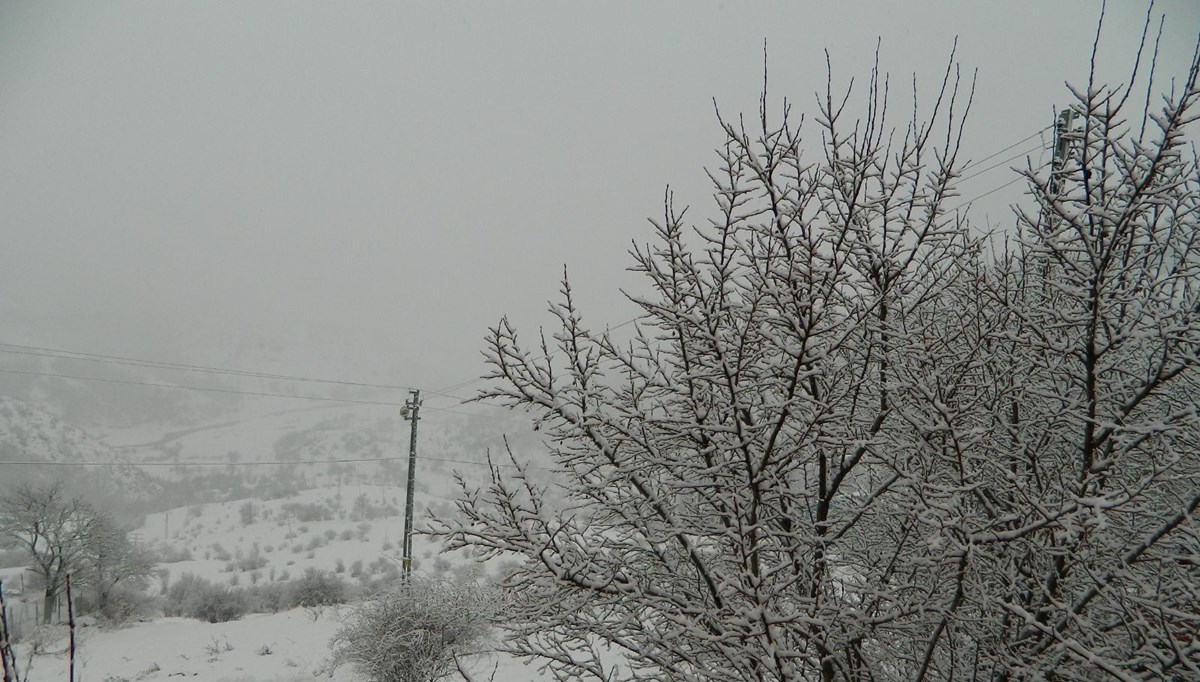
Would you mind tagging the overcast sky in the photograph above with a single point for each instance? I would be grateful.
(362, 188)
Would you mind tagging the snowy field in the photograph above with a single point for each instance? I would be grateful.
(346, 520)
(229, 546)
(284, 647)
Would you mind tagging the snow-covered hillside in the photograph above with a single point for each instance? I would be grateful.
(352, 530)
(260, 499)
(31, 434)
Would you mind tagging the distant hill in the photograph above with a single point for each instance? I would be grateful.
(32, 434)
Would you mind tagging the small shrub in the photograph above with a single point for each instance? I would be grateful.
(317, 588)
(416, 630)
(120, 605)
(267, 598)
(166, 554)
(220, 553)
(252, 561)
(248, 513)
(220, 605)
(215, 648)
(194, 597)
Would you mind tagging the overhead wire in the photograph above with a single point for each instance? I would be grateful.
(987, 193)
(1001, 163)
(215, 463)
(993, 155)
(213, 389)
(42, 351)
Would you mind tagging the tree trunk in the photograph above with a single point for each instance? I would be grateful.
(49, 602)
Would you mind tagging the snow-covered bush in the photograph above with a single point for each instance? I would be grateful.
(317, 588)
(121, 604)
(417, 631)
(267, 597)
(194, 597)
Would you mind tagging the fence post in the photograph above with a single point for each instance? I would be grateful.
(7, 657)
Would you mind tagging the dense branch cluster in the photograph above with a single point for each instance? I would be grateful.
(852, 440)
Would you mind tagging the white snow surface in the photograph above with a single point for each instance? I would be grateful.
(285, 647)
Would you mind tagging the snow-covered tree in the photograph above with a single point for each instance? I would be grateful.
(63, 534)
(850, 440)
(1088, 548)
(53, 528)
(112, 566)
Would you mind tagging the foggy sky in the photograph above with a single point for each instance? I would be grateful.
(359, 190)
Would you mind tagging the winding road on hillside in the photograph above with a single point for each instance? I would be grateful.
(171, 436)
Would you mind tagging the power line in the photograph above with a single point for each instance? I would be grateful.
(212, 389)
(41, 351)
(212, 463)
(993, 155)
(1001, 163)
(203, 388)
(987, 193)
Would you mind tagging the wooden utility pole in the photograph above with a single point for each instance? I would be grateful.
(409, 411)
(7, 658)
(71, 631)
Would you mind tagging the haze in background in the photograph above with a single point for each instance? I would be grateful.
(359, 190)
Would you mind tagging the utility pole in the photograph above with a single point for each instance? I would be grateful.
(1062, 145)
(1058, 163)
(409, 412)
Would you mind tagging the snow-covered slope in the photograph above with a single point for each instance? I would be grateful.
(30, 434)
(282, 647)
(353, 530)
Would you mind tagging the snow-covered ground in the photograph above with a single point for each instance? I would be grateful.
(362, 523)
(350, 524)
(284, 647)
(287, 646)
